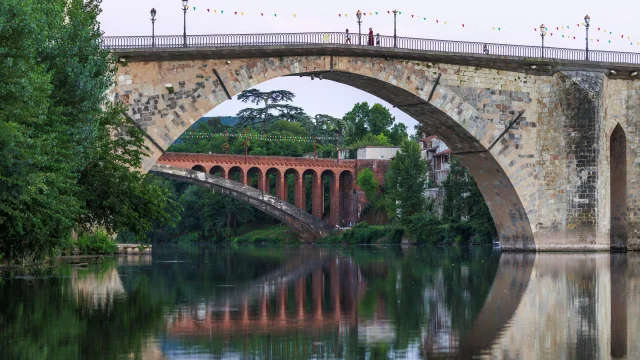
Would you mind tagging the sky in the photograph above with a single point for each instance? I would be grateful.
(490, 21)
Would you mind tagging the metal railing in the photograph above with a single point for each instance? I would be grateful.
(335, 38)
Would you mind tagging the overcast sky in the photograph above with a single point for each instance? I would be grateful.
(516, 20)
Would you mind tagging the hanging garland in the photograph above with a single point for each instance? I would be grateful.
(559, 29)
(261, 137)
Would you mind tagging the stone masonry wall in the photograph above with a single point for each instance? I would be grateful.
(544, 181)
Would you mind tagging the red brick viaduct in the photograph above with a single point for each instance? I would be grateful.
(274, 173)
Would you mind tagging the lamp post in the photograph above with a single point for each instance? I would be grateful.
(184, 35)
(153, 27)
(543, 32)
(586, 25)
(395, 42)
(359, 16)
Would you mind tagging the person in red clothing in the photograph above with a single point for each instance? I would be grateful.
(370, 37)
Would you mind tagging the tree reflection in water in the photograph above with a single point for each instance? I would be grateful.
(353, 303)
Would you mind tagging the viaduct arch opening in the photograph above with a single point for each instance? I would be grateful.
(407, 86)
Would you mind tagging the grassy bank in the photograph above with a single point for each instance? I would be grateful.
(271, 234)
(363, 234)
(96, 243)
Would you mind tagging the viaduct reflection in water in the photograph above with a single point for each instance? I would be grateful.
(322, 297)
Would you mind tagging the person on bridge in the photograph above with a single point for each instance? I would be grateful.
(485, 49)
(370, 36)
(347, 38)
(378, 39)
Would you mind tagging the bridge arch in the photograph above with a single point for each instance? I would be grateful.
(274, 181)
(311, 179)
(309, 227)
(260, 178)
(293, 195)
(199, 168)
(236, 173)
(347, 196)
(218, 170)
(413, 86)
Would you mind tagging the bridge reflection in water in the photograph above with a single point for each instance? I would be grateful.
(351, 303)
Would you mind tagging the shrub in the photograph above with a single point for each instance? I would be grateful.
(364, 233)
(367, 182)
(427, 229)
(191, 237)
(98, 242)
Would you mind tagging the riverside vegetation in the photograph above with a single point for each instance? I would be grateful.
(60, 168)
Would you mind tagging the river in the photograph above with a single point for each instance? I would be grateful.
(206, 302)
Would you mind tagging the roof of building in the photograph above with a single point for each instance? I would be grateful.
(429, 138)
(445, 152)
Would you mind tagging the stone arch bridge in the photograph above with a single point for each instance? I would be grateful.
(537, 134)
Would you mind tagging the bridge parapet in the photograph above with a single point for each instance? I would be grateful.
(261, 161)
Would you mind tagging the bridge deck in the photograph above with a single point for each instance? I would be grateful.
(501, 56)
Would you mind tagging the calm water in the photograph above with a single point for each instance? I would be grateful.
(305, 302)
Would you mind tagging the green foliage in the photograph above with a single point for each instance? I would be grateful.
(58, 166)
(363, 234)
(206, 216)
(371, 140)
(274, 234)
(97, 242)
(463, 203)
(367, 182)
(272, 102)
(375, 120)
(406, 183)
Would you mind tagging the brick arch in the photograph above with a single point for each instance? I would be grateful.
(242, 178)
(408, 85)
(218, 169)
(279, 184)
(348, 198)
(199, 168)
(261, 177)
(315, 208)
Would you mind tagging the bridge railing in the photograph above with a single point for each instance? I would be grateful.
(334, 38)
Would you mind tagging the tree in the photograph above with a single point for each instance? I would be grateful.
(367, 182)
(272, 103)
(327, 125)
(406, 183)
(463, 202)
(55, 148)
(376, 120)
(398, 134)
(371, 140)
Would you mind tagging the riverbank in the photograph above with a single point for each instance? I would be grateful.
(120, 249)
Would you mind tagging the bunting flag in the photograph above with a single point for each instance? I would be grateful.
(260, 137)
(566, 30)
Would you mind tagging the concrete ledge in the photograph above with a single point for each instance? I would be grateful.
(561, 248)
(133, 249)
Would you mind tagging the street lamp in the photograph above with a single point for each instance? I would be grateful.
(184, 8)
(395, 42)
(359, 16)
(543, 32)
(153, 27)
(586, 25)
